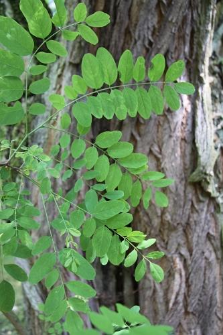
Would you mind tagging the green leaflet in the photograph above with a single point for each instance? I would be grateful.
(114, 254)
(153, 175)
(163, 182)
(108, 138)
(65, 121)
(40, 86)
(98, 19)
(42, 244)
(60, 18)
(144, 103)
(79, 84)
(119, 221)
(45, 58)
(11, 64)
(161, 199)
(94, 103)
(16, 272)
(140, 270)
(54, 299)
(120, 150)
(107, 209)
(14, 37)
(184, 88)
(172, 98)
(64, 140)
(146, 243)
(87, 34)
(132, 315)
(147, 197)
(28, 223)
(157, 100)
(11, 115)
(81, 289)
(156, 272)
(11, 89)
(91, 157)
(91, 71)
(101, 322)
(134, 160)
(125, 66)
(113, 178)
(42, 267)
(108, 64)
(113, 316)
(101, 241)
(80, 12)
(157, 68)
(89, 227)
(136, 193)
(56, 48)
(131, 101)
(91, 200)
(107, 105)
(139, 70)
(102, 168)
(37, 69)
(7, 294)
(57, 101)
(126, 185)
(70, 35)
(37, 17)
(82, 114)
(73, 322)
(77, 148)
(175, 71)
(131, 258)
(155, 254)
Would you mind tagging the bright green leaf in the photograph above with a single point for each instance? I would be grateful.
(87, 34)
(37, 109)
(140, 270)
(108, 64)
(184, 88)
(157, 68)
(45, 57)
(107, 209)
(82, 114)
(161, 199)
(11, 115)
(139, 70)
(156, 272)
(144, 103)
(131, 258)
(91, 71)
(40, 86)
(125, 66)
(172, 98)
(56, 48)
(101, 241)
(80, 12)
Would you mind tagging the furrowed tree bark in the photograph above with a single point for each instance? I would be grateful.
(185, 145)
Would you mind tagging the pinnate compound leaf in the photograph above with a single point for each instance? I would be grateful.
(37, 17)
(80, 12)
(125, 66)
(16, 272)
(11, 89)
(140, 270)
(56, 48)
(157, 68)
(184, 88)
(107, 209)
(175, 71)
(91, 71)
(108, 64)
(11, 64)
(87, 34)
(14, 37)
(11, 115)
(42, 267)
(139, 70)
(40, 86)
(161, 199)
(7, 295)
(172, 97)
(101, 241)
(45, 57)
(98, 19)
(108, 138)
(60, 17)
(156, 272)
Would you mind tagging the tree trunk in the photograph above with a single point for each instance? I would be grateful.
(185, 145)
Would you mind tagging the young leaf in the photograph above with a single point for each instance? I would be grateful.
(139, 70)
(172, 98)
(45, 58)
(60, 18)
(37, 109)
(91, 71)
(16, 272)
(125, 66)
(108, 64)
(161, 199)
(14, 37)
(157, 68)
(56, 48)
(131, 259)
(87, 34)
(80, 12)
(11, 64)
(42, 267)
(144, 103)
(81, 289)
(184, 88)
(156, 272)
(40, 86)
(157, 100)
(11, 89)
(175, 71)
(120, 150)
(101, 241)
(140, 270)
(11, 115)
(98, 19)
(37, 17)
(7, 294)
(107, 209)
(82, 114)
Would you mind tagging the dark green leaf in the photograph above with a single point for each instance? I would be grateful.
(42, 244)
(108, 64)
(54, 299)
(16, 272)
(7, 295)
